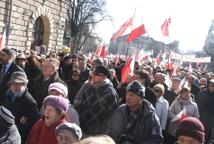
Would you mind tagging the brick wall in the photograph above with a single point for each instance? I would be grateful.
(23, 16)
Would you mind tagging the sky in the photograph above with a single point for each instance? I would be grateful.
(191, 19)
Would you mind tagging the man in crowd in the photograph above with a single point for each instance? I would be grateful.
(96, 102)
(135, 122)
(49, 75)
(7, 67)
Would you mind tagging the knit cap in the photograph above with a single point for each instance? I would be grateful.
(137, 88)
(61, 88)
(58, 102)
(191, 127)
(72, 127)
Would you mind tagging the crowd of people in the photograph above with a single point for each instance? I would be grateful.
(68, 99)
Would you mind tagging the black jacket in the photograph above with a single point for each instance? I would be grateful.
(22, 106)
(40, 87)
(147, 129)
(3, 86)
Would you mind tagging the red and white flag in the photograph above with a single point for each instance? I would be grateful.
(128, 69)
(2, 40)
(181, 115)
(136, 33)
(122, 29)
(190, 67)
(104, 51)
(165, 27)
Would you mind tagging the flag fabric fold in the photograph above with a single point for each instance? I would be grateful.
(128, 69)
(165, 27)
(181, 115)
(122, 29)
(136, 33)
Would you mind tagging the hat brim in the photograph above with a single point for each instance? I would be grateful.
(17, 81)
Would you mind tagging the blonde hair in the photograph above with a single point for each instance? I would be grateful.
(102, 139)
(161, 87)
(54, 62)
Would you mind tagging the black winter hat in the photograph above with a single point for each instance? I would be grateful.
(101, 70)
(137, 88)
(6, 117)
(191, 127)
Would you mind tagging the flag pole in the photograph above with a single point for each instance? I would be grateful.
(127, 50)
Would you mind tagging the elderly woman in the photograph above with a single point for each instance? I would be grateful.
(183, 104)
(21, 104)
(49, 75)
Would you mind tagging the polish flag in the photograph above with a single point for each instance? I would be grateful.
(104, 51)
(136, 33)
(122, 29)
(181, 115)
(165, 27)
(128, 69)
(2, 40)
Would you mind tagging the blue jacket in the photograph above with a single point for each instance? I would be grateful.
(147, 129)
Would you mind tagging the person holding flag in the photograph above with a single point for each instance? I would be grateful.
(183, 106)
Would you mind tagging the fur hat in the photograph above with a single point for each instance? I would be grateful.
(137, 88)
(72, 127)
(191, 127)
(58, 102)
(101, 70)
(61, 88)
(18, 77)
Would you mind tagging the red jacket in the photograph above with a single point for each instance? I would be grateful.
(42, 134)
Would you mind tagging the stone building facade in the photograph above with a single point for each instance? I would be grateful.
(31, 23)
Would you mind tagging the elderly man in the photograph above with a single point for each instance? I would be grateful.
(49, 75)
(96, 102)
(135, 122)
(7, 67)
(20, 102)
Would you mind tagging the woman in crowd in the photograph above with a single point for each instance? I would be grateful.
(182, 106)
(43, 131)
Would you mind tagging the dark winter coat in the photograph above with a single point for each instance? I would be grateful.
(40, 87)
(95, 105)
(23, 105)
(84, 75)
(150, 96)
(3, 86)
(145, 130)
(9, 133)
(32, 72)
(73, 88)
(206, 108)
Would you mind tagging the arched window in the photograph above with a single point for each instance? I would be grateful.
(38, 31)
